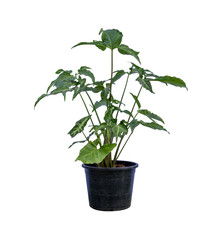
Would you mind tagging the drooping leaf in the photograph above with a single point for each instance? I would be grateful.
(124, 49)
(145, 83)
(150, 115)
(89, 154)
(153, 125)
(136, 100)
(119, 129)
(171, 80)
(102, 102)
(79, 126)
(61, 90)
(112, 38)
(98, 44)
(39, 99)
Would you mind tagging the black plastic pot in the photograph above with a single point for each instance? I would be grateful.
(110, 189)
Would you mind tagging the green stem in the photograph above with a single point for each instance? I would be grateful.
(134, 104)
(85, 136)
(123, 135)
(90, 117)
(123, 94)
(94, 107)
(124, 144)
(110, 96)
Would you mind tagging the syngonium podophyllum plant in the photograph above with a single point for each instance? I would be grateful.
(106, 137)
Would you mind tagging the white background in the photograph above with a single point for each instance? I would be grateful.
(178, 185)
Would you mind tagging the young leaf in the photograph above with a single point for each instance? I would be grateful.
(124, 49)
(136, 100)
(79, 126)
(153, 125)
(111, 38)
(145, 83)
(40, 98)
(89, 154)
(170, 80)
(150, 115)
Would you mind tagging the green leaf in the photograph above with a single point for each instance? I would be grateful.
(40, 98)
(79, 126)
(136, 100)
(124, 49)
(61, 90)
(118, 75)
(150, 115)
(111, 38)
(89, 154)
(133, 124)
(59, 71)
(153, 125)
(170, 80)
(84, 71)
(77, 142)
(98, 44)
(145, 83)
(119, 129)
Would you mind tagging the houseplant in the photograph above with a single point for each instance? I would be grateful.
(109, 180)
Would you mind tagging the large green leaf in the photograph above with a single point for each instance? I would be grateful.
(119, 129)
(170, 80)
(111, 38)
(89, 154)
(98, 44)
(79, 126)
(124, 49)
(145, 83)
(150, 115)
(153, 125)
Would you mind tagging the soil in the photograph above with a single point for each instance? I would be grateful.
(119, 165)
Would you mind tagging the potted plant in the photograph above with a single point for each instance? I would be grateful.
(109, 180)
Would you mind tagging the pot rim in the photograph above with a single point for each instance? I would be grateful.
(130, 165)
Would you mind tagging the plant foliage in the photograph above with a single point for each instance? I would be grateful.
(108, 132)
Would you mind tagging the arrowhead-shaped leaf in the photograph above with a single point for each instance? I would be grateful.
(124, 49)
(111, 38)
(145, 83)
(89, 154)
(118, 75)
(150, 115)
(79, 126)
(133, 124)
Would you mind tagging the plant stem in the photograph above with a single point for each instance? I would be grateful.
(85, 136)
(134, 104)
(110, 96)
(90, 117)
(123, 135)
(94, 107)
(123, 94)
